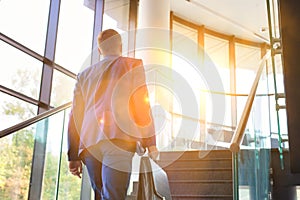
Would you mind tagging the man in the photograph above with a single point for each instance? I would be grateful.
(109, 117)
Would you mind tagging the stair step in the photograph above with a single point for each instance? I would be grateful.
(199, 163)
(222, 187)
(205, 175)
(131, 197)
(199, 174)
(202, 197)
(191, 197)
(194, 155)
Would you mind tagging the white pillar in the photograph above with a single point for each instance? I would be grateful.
(154, 13)
(153, 31)
(153, 46)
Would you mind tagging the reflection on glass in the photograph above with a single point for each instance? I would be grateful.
(25, 22)
(13, 111)
(22, 72)
(62, 88)
(75, 32)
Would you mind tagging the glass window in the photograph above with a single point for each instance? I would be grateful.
(69, 185)
(247, 63)
(16, 158)
(116, 16)
(218, 51)
(13, 111)
(75, 33)
(25, 22)
(64, 186)
(22, 72)
(186, 31)
(185, 43)
(185, 52)
(62, 88)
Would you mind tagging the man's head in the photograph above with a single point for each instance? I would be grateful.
(109, 42)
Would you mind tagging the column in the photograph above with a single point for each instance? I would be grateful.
(153, 46)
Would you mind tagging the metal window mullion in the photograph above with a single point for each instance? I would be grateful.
(20, 47)
(18, 95)
(232, 68)
(98, 23)
(39, 152)
(132, 24)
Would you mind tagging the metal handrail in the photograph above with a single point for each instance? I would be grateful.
(240, 130)
(34, 119)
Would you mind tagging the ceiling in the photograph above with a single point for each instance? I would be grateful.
(244, 19)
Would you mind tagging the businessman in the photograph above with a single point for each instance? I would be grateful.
(110, 118)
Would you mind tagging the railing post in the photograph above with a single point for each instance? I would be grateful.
(235, 175)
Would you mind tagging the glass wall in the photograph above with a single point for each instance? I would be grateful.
(20, 92)
(14, 110)
(236, 62)
(20, 87)
(25, 22)
(276, 128)
(24, 67)
(16, 156)
(254, 158)
(185, 75)
(62, 89)
(247, 64)
(116, 16)
(74, 37)
(217, 50)
(58, 183)
(22, 72)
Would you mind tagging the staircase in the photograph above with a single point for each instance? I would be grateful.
(199, 174)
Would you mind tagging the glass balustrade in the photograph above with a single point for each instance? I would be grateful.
(253, 159)
(16, 153)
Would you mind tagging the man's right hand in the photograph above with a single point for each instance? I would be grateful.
(75, 167)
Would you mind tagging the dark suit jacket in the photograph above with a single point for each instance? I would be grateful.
(110, 102)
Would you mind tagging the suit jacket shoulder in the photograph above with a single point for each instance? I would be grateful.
(131, 62)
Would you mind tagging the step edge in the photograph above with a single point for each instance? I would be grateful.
(194, 160)
(201, 181)
(197, 169)
(201, 195)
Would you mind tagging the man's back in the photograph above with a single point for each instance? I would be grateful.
(106, 89)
